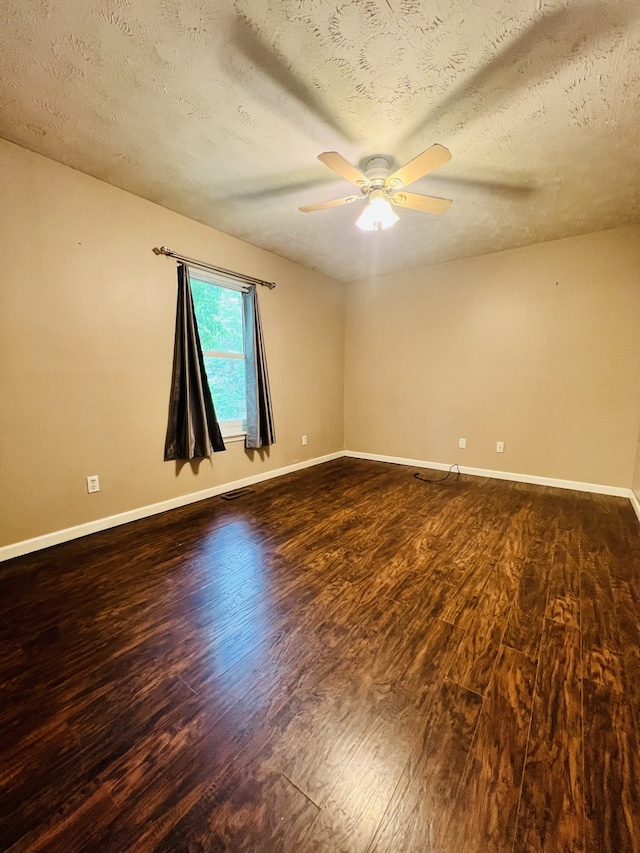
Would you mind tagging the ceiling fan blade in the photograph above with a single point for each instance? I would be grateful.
(425, 203)
(421, 165)
(343, 167)
(336, 202)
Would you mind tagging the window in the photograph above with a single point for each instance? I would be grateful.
(219, 314)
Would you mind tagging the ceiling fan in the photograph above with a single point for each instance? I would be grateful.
(381, 189)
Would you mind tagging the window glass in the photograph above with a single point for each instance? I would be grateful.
(226, 381)
(219, 314)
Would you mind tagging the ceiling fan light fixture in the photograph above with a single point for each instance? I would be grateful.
(378, 214)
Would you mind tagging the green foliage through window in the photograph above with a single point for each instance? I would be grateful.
(220, 326)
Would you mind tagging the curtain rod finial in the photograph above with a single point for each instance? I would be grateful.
(161, 251)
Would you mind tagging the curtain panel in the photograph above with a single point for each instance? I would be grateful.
(260, 426)
(193, 431)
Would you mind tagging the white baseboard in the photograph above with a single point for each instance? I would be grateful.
(499, 475)
(38, 543)
(27, 546)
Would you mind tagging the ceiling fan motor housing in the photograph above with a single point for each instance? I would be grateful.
(378, 168)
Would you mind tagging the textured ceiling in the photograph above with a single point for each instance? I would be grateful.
(218, 109)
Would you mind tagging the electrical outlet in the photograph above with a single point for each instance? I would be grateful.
(304, 439)
(462, 443)
(499, 446)
(93, 484)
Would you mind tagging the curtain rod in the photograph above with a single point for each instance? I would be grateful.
(248, 278)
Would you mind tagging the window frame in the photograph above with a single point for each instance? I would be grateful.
(237, 429)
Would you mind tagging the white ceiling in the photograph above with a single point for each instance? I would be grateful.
(218, 109)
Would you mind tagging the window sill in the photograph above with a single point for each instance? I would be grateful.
(230, 437)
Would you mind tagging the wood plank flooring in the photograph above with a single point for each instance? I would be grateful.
(345, 660)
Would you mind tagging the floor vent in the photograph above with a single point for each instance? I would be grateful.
(237, 493)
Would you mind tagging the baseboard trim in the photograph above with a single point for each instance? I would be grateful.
(38, 543)
(499, 475)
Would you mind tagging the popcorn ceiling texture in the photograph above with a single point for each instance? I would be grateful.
(218, 110)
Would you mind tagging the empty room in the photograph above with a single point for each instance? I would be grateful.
(320, 426)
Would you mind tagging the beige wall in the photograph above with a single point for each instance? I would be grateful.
(87, 317)
(537, 347)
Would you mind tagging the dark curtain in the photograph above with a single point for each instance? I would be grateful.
(192, 431)
(260, 428)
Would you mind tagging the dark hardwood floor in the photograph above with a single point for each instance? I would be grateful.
(345, 659)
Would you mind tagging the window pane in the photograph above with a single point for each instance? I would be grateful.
(219, 316)
(226, 380)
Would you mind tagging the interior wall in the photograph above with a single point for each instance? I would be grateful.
(537, 347)
(87, 315)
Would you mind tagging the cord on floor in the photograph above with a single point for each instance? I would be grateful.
(440, 479)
